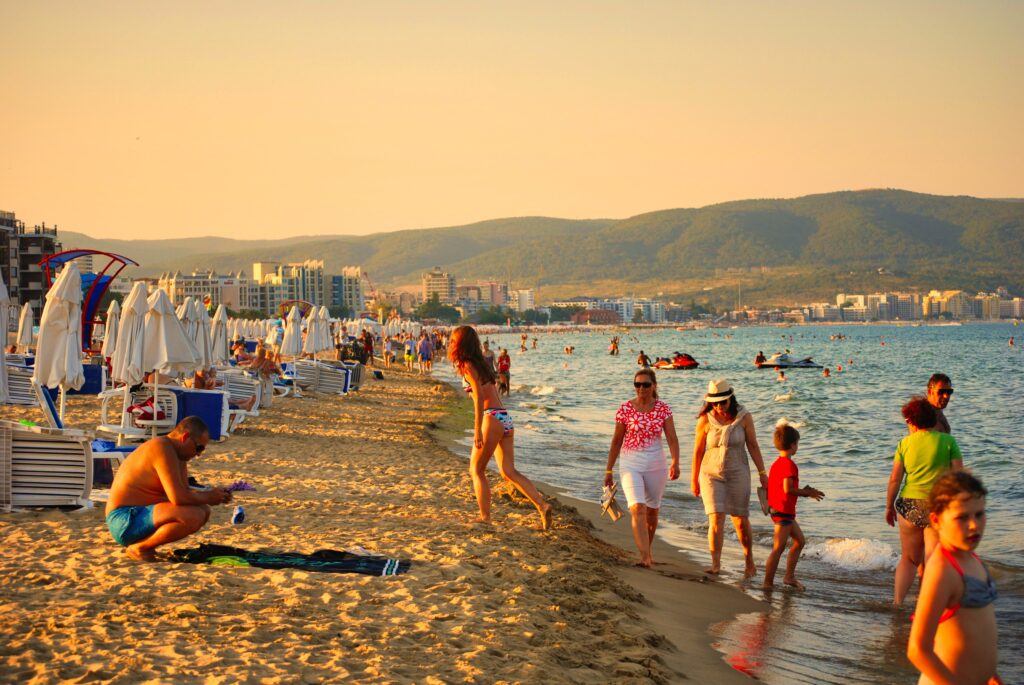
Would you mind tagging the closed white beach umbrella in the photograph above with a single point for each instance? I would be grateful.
(325, 328)
(168, 347)
(220, 336)
(292, 344)
(59, 348)
(110, 329)
(127, 363)
(201, 335)
(25, 323)
(186, 313)
(5, 320)
(311, 343)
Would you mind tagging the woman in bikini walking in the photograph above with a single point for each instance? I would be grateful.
(492, 427)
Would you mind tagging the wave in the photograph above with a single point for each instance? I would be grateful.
(854, 554)
(542, 390)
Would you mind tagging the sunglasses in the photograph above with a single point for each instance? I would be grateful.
(642, 384)
(199, 448)
(948, 391)
(719, 403)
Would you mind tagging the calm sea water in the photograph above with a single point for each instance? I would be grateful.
(841, 630)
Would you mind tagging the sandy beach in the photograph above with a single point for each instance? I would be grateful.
(482, 604)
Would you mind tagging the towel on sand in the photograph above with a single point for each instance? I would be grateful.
(324, 560)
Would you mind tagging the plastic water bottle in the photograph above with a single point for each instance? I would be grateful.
(238, 515)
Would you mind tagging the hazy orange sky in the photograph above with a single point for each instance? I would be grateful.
(266, 119)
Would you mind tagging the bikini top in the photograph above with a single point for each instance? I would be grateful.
(977, 593)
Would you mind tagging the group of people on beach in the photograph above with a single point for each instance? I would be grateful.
(936, 504)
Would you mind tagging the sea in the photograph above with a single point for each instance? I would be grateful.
(842, 629)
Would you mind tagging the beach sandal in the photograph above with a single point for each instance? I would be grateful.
(762, 497)
(609, 505)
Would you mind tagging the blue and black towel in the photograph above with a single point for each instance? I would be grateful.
(323, 560)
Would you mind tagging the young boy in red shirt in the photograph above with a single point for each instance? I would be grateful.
(783, 489)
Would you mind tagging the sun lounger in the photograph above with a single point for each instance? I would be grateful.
(43, 466)
(19, 386)
(106, 457)
(241, 387)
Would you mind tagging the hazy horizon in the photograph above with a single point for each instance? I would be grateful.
(313, 119)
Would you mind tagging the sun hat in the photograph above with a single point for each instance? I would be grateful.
(718, 390)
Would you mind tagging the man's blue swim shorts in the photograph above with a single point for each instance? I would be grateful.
(128, 525)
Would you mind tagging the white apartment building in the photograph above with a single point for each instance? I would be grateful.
(522, 300)
(439, 283)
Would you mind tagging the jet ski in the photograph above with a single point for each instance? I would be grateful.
(678, 361)
(781, 360)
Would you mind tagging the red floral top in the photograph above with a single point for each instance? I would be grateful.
(643, 429)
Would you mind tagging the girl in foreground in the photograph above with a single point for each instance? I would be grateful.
(953, 637)
(492, 426)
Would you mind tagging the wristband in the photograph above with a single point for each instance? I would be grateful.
(762, 472)
(608, 471)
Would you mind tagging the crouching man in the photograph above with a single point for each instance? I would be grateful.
(150, 501)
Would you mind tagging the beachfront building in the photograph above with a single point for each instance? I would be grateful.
(522, 300)
(596, 317)
(199, 285)
(1011, 308)
(235, 291)
(347, 291)
(494, 293)
(408, 302)
(275, 283)
(952, 303)
(21, 250)
(440, 283)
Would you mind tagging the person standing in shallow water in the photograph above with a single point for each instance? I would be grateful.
(636, 445)
(721, 475)
(493, 432)
(940, 390)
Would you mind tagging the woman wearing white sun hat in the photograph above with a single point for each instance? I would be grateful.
(721, 474)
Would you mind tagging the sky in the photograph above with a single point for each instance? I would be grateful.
(268, 119)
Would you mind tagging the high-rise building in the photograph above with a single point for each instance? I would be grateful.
(439, 283)
(275, 283)
(347, 289)
(21, 250)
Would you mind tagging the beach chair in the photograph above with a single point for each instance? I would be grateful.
(358, 371)
(107, 455)
(306, 374)
(335, 379)
(19, 386)
(43, 467)
(117, 420)
(240, 387)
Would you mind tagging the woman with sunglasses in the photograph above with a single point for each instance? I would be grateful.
(721, 474)
(639, 425)
(921, 457)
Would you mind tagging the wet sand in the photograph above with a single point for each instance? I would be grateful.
(499, 603)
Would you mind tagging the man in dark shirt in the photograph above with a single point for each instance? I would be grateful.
(940, 389)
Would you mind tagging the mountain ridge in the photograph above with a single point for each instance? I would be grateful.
(961, 239)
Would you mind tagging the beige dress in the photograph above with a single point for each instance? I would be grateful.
(725, 470)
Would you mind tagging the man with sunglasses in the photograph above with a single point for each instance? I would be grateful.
(940, 389)
(150, 502)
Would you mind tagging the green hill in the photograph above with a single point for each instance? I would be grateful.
(803, 247)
